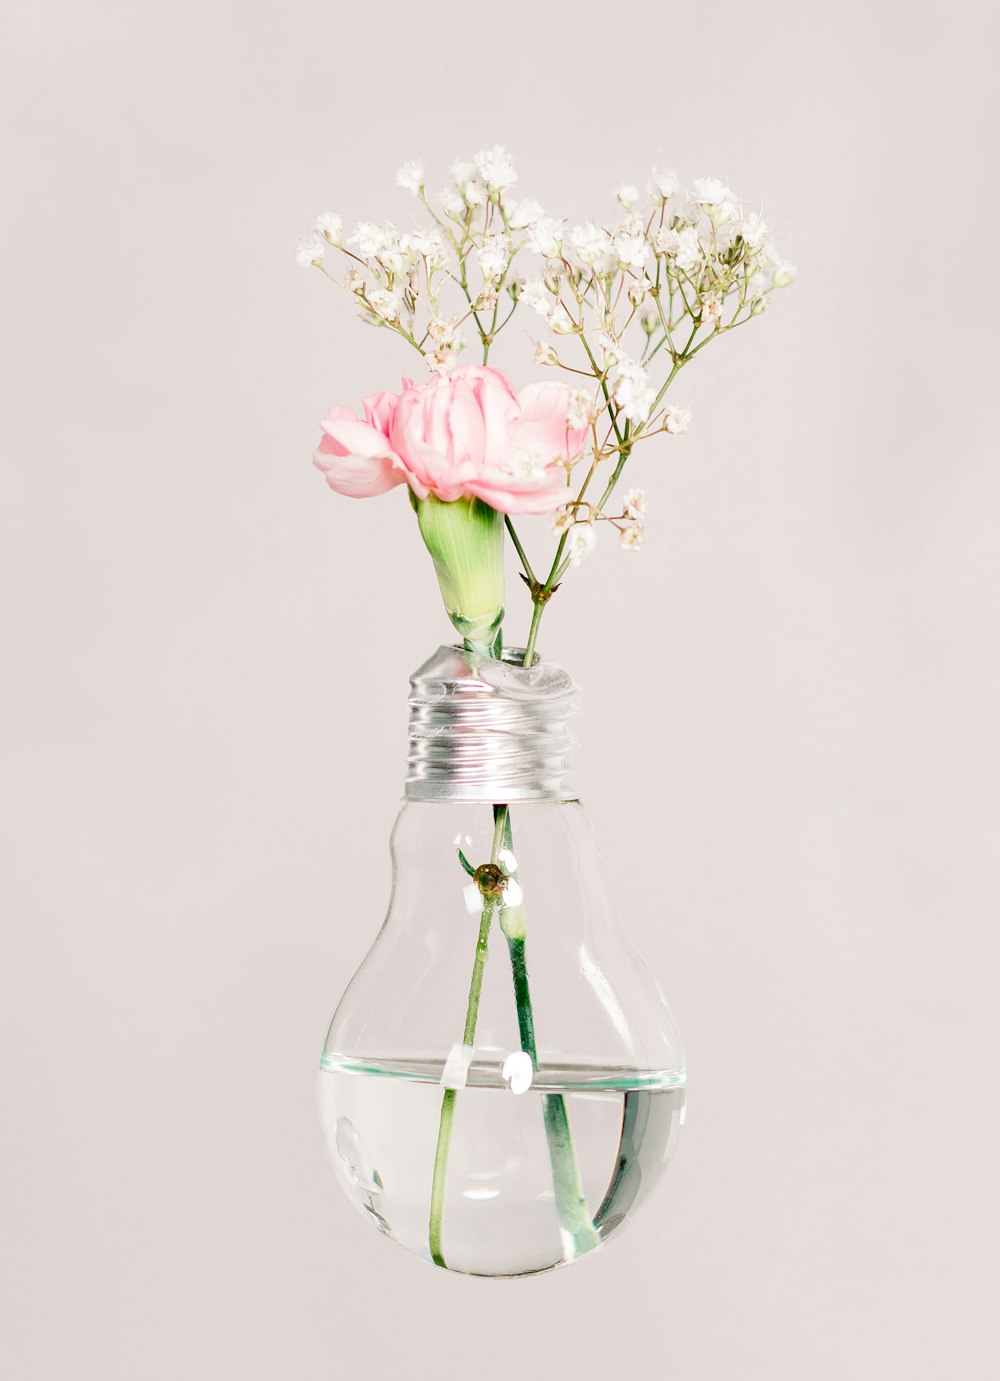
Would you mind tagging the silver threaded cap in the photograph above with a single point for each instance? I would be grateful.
(493, 731)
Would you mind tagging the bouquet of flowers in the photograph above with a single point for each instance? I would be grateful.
(620, 309)
(617, 308)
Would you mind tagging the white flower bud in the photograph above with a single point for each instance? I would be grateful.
(311, 252)
(331, 226)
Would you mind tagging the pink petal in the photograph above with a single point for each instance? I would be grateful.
(509, 494)
(378, 409)
(542, 428)
(355, 458)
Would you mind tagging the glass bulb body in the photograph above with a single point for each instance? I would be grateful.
(502, 1081)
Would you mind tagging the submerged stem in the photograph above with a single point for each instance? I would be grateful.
(575, 1223)
(445, 1124)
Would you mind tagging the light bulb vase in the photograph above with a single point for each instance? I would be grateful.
(502, 1081)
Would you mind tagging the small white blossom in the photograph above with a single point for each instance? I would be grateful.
(310, 251)
(581, 542)
(545, 236)
(372, 239)
(715, 199)
(441, 331)
(494, 256)
(580, 412)
(496, 168)
(632, 391)
(676, 419)
(784, 274)
(649, 318)
(589, 242)
(533, 294)
(631, 536)
(628, 195)
(332, 226)
(662, 185)
(472, 190)
(561, 322)
(545, 353)
(520, 214)
(711, 309)
(683, 246)
(631, 249)
(384, 304)
(411, 176)
(611, 350)
(430, 243)
(758, 306)
(452, 203)
(526, 465)
(561, 521)
(634, 505)
(444, 357)
(488, 296)
(354, 282)
(753, 231)
(397, 252)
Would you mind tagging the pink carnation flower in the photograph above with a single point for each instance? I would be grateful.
(466, 433)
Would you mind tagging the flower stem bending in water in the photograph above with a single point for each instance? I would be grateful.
(576, 1226)
(490, 900)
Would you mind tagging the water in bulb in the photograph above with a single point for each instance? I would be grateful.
(499, 1214)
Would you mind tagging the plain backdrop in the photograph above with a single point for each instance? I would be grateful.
(789, 741)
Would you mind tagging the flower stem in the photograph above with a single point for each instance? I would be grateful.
(571, 1204)
(536, 618)
(468, 1038)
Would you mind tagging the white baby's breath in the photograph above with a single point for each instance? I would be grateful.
(331, 227)
(384, 304)
(580, 412)
(560, 321)
(676, 419)
(452, 203)
(494, 256)
(753, 231)
(411, 176)
(534, 294)
(634, 505)
(496, 168)
(311, 251)
(580, 542)
(545, 236)
(520, 214)
(662, 186)
(632, 391)
(715, 199)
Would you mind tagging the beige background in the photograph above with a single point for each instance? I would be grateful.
(790, 742)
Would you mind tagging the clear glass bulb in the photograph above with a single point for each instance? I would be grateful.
(502, 1081)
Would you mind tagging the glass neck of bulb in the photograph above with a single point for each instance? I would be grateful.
(490, 731)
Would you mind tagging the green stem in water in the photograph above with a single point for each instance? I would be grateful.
(571, 1204)
(468, 1038)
